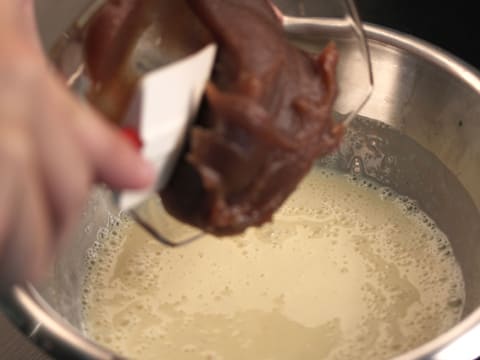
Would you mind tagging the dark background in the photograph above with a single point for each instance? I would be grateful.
(453, 25)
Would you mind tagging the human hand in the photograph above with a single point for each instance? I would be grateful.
(52, 148)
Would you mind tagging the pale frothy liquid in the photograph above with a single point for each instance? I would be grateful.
(348, 270)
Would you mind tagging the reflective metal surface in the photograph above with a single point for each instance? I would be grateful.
(54, 16)
(423, 95)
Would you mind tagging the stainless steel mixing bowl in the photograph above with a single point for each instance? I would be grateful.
(422, 142)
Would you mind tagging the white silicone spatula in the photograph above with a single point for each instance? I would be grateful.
(166, 102)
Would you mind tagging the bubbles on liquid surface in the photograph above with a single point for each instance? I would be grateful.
(348, 267)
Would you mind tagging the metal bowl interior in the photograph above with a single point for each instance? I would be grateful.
(417, 135)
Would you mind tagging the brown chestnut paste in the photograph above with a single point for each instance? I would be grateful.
(266, 117)
(113, 36)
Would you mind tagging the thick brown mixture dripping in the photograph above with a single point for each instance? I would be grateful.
(265, 119)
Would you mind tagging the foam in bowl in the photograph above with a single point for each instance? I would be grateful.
(348, 269)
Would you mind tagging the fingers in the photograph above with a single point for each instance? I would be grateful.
(49, 156)
(76, 146)
(51, 150)
(64, 169)
(25, 250)
(114, 159)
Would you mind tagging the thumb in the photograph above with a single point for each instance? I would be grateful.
(114, 158)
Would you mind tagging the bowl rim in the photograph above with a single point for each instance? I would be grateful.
(465, 334)
(26, 309)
